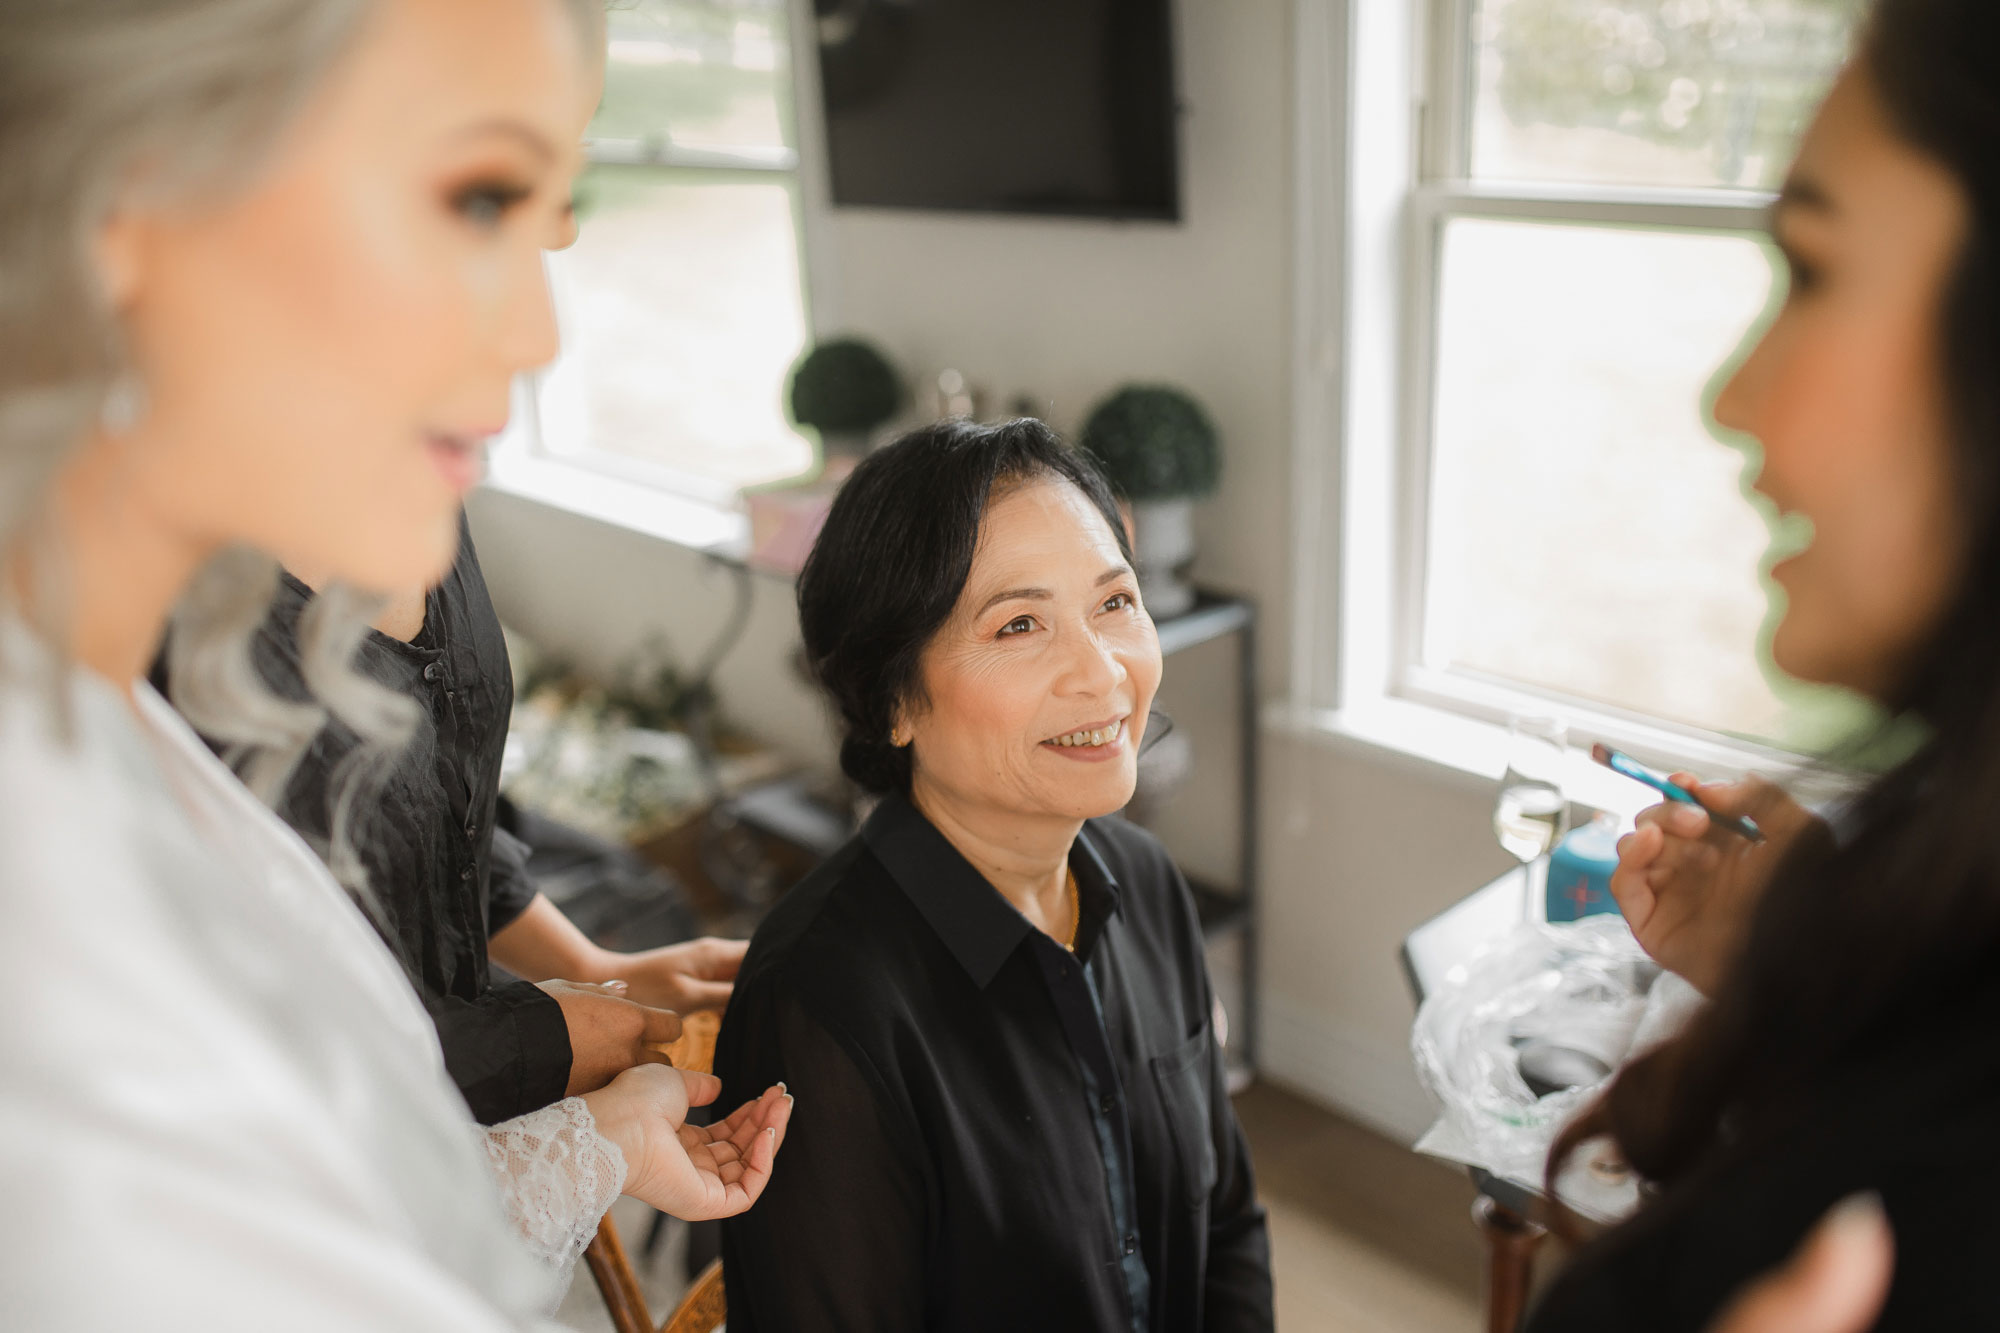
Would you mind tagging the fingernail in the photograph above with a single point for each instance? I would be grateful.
(1863, 1209)
(613, 985)
(781, 1085)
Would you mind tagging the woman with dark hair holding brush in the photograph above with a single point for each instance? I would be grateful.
(1849, 1048)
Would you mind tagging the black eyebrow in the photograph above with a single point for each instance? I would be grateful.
(1016, 594)
(1803, 192)
(1111, 575)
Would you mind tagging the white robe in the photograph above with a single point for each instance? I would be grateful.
(221, 1105)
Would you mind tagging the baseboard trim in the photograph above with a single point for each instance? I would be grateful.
(1347, 1071)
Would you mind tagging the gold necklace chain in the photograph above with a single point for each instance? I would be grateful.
(1075, 913)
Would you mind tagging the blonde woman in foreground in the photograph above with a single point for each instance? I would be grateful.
(267, 269)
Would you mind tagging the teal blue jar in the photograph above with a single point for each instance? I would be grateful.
(1580, 867)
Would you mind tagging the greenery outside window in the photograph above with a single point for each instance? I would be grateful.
(1586, 253)
(682, 303)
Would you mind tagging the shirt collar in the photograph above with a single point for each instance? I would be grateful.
(979, 927)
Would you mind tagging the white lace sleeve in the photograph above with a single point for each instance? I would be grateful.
(557, 1178)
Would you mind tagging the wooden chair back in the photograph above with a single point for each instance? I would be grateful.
(612, 1268)
(701, 1309)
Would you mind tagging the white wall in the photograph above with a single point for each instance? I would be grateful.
(1358, 846)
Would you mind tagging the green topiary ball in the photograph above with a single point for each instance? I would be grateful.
(1155, 443)
(843, 386)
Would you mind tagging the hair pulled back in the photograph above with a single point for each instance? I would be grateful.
(893, 558)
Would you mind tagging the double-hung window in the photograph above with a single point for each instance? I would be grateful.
(1584, 260)
(682, 303)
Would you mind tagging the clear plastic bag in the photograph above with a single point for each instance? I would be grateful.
(1523, 1035)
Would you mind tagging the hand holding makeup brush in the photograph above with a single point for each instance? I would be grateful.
(1687, 887)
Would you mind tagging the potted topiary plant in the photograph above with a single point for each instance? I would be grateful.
(1161, 453)
(844, 389)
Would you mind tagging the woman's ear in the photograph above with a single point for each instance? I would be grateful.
(120, 245)
(902, 726)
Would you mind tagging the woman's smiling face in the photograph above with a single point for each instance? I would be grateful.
(1036, 691)
(325, 350)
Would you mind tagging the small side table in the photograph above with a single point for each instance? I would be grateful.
(1506, 1211)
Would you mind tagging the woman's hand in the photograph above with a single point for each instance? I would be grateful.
(608, 1033)
(1834, 1284)
(694, 1172)
(1687, 888)
(686, 978)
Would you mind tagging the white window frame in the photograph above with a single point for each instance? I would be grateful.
(656, 498)
(1381, 165)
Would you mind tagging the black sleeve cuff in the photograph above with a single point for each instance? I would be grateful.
(508, 1052)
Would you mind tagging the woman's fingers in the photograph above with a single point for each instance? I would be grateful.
(756, 1128)
(1688, 822)
(736, 1156)
(1653, 815)
(749, 1120)
(697, 994)
(1630, 884)
(757, 1167)
(701, 1088)
(1637, 848)
(1681, 861)
(662, 1027)
(1834, 1284)
(779, 1117)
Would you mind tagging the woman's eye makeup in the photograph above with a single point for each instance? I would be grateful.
(486, 203)
(1804, 276)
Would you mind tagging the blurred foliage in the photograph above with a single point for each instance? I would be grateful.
(1736, 79)
(674, 64)
(1155, 443)
(650, 690)
(842, 386)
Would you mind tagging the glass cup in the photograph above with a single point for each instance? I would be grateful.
(1530, 812)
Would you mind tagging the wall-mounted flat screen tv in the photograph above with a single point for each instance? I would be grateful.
(1015, 106)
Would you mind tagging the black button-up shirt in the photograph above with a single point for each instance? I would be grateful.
(442, 875)
(991, 1133)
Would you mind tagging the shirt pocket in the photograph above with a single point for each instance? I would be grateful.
(1181, 1078)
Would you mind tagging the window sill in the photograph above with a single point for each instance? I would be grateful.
(698, 525)
(1439, 745)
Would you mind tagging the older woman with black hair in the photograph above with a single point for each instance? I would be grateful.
(992, 1002)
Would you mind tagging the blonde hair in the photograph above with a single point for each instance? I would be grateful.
(188, 97)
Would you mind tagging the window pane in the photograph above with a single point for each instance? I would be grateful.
(681, 314)
(1694, 93)
(1587, 533)
(697, 74)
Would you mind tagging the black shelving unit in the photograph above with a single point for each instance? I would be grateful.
(1226, 911)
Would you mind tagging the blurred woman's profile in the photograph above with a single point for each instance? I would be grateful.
(267, 271)
(1855, 980)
